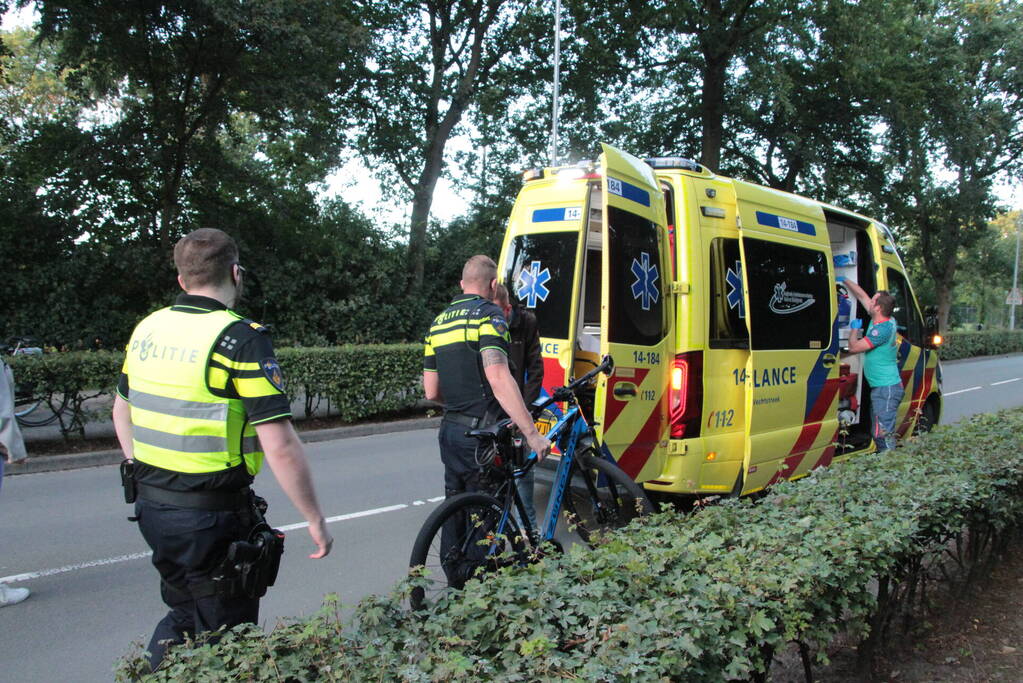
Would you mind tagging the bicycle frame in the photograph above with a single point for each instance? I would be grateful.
(566, 432)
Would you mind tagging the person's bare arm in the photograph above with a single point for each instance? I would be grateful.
(431, 386)
(122, 426)
(858, 292)
(506, 391)
(858, 344)
(287, 460)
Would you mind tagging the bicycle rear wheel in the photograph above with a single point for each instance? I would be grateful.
(601, 496)
(461, 539)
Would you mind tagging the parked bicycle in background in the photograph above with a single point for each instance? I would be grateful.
(33, 407)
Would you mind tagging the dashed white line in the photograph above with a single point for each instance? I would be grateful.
(961, 391)
(14, 578)
(1007, 381)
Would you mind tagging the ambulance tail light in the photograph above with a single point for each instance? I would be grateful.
(686, 395)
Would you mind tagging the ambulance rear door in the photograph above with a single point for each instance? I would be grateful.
(541, 263)
(791, 406)
(636, 326)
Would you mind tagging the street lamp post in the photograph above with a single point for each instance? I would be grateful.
(557, 78)
(1015, 273)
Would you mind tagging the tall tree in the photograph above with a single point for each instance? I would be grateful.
(955, 129)
(429, 62)
(182, 70)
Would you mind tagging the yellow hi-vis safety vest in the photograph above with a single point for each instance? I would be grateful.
(178, 424)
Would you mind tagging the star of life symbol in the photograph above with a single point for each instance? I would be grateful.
(644, 289)
(734, 281)
(531, 284)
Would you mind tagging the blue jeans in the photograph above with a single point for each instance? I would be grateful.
(525, 486)
(884, 402)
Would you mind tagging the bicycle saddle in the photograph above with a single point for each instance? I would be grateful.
(493, 432)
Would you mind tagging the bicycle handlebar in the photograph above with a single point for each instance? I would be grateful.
(500, 429)
(607, 366)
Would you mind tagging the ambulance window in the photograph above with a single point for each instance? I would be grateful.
(669, 208)
(789, 295)
(540, 271)
(727, 309)
(636, 301)
(906, 316)
(591, 296)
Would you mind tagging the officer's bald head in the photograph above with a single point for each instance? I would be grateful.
(204, 258)
(478, 275)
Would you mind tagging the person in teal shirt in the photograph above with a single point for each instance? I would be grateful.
(880, 347)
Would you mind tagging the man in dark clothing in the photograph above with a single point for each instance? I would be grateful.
(526, 359)
(465, 367)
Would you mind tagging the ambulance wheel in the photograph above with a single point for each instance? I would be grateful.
(928, 418)
(601, 497)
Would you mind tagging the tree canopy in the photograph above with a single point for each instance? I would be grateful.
(125, 127)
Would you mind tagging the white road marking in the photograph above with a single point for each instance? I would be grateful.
(1007, 381)
(961, 391)
(14, 578)
(73, 567)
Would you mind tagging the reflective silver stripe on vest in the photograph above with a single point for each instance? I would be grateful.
(176, 407)
(250, 444)
(179, 442)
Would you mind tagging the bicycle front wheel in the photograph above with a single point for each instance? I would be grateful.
(601, 496)
(37, 411)
(463, 538)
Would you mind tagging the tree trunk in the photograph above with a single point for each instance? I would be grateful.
(712, 110)
(944, 291)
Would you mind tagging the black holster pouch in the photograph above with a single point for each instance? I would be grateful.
(128, 481)
(251, 565)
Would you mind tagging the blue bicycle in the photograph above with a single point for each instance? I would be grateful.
(474, 533)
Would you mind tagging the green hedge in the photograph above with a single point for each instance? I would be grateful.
(358, 381)
(959, 345)
(708, 597)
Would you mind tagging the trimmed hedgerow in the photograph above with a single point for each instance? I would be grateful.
(705, 597)
(958, 345)
(358, 381)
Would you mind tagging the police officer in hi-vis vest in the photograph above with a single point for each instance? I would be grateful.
(199, 404)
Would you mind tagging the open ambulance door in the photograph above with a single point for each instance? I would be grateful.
(792, 369)
(541, 263)
(632, 404)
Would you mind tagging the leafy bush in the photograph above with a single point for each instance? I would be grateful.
(706, 597)
(359, 381)
(959, 345)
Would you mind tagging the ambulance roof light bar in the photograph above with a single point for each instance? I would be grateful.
(675, 162)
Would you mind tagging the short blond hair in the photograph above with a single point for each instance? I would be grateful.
(479, 270)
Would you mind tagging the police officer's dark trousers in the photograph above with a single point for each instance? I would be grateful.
(461, 474)
(188, 546)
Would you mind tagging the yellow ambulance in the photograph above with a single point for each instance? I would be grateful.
(722, 306)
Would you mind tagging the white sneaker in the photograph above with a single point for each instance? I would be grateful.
(12, 596)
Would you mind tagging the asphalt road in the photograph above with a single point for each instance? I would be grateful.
(65, 536)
